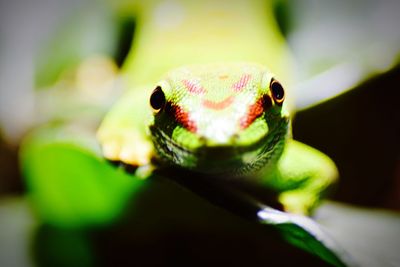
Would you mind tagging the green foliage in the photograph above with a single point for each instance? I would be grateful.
(69, 183)
(304, 240)
(62, 248)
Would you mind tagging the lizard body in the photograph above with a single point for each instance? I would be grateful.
(222, 108)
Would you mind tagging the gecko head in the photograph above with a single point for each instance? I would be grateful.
(219, 118)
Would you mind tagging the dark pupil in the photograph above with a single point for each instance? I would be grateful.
(157, 99)
(277, 90)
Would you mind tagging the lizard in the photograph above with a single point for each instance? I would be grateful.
(208, 90)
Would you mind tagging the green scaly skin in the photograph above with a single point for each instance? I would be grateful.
(220, 115)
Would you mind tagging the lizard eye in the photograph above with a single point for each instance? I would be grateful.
(277, 91)
(157, 99)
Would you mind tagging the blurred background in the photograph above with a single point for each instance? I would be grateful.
(59, 63)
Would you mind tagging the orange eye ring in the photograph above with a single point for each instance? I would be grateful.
(278, 93)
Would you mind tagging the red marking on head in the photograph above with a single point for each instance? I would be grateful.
(238, 86)
(218, 105)
(255, 111)
(182, 117)
(193, 88)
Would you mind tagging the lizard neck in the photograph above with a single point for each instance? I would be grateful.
(172, 33)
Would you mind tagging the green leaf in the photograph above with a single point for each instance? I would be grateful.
(307, 235)
(69, 183)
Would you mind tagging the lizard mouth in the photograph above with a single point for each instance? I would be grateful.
(233, 159)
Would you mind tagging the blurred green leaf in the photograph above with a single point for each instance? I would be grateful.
(69, 183)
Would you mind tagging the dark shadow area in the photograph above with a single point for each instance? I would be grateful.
(57, 247)
(10, 176)
(125, 34)
(167, 225)
(283, 14)
(360, 131)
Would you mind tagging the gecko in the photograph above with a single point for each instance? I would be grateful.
(208, 90)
